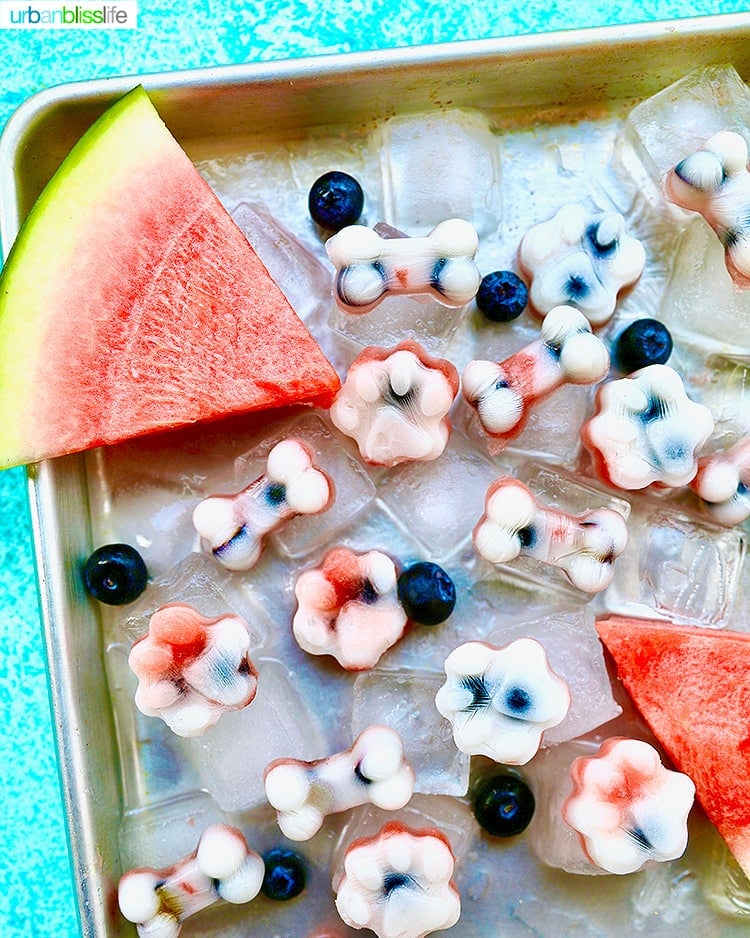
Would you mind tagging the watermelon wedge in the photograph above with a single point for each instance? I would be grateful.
(131, 302)
(692, 686)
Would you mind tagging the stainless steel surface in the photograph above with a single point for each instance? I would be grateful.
(574, 74)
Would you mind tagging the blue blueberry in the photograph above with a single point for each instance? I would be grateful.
(427, 593)
(502, 296)
(643, 342)
(115, 574)
(285, 874)
(336, 200)
(504, 805)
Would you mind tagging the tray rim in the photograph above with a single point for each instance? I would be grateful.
(49, 482)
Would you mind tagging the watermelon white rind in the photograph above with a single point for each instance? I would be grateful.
(692, 686)
(131, 302)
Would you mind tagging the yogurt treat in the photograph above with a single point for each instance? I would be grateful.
(628, 809)
(222, 867)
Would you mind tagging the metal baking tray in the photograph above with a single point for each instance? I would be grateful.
(572, 75)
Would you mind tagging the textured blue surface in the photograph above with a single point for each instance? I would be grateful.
(36, 897)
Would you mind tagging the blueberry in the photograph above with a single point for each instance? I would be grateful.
(427, 593)
(502, 296)
(115, 574)
(335, 201)
(643, 342)
(285, 874)
(504, 805)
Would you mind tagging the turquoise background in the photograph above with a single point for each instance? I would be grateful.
(36, 891)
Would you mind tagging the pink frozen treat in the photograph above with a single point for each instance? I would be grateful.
(349, 608)
(399, 883)
(627, 808)
(394, 403)
(191, 668)
(583, 546)
(504, 394)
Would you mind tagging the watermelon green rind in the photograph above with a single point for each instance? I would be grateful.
(131, 303)
(692, 686)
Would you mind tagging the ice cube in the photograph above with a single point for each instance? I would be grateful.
(678, 568)
(439, 502)
(575, 654)
(259, 173)
(304, 280)
(723, 385)
(197, 581)
(158, 835)
(397, 318)
(700, 272)
(405, 701)
(669, 898)
(231, 756)
(549, 837)
(439, 165)
(673, 123)
(152, 771)
(726, 887)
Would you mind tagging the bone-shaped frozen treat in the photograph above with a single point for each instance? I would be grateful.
(723, 483)
(580, 258)
(373, 771)
(394, 403)
(714, 181)
(233, 527)
(504, 394)
(191, 668)
(646, 430)
(370, 267)
(583, 546)
(222, 867)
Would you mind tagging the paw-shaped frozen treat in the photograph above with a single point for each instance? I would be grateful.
(583, 546)
(504, 394)
(627, 808)
(191, 668)
(399, 883)
(373, 771)
(348, 607)
(370, 267)
(646, 430)
(499, 701)
(394, 403)
(233, 527)
(222, 867)
(580, 258)
(723, 483)
(714, 181)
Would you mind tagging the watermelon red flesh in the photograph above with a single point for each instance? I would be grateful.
(131, 302)
(692, 686)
